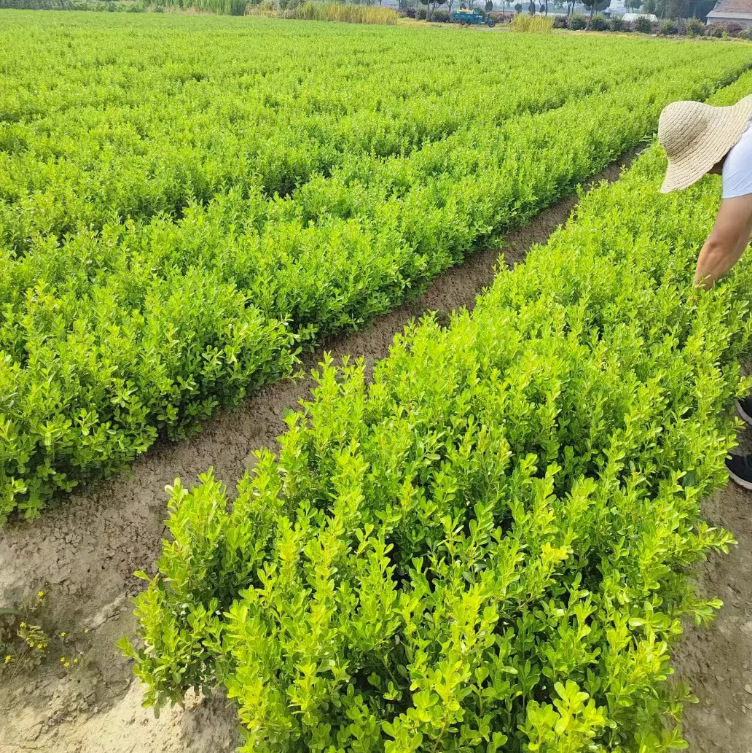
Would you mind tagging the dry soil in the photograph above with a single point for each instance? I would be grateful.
(717, 661)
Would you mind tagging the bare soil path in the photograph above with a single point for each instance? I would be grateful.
(717, 661)
(86, 550)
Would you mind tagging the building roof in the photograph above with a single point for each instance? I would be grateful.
(729, 16)
(732, 7)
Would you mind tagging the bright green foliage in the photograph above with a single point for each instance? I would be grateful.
(184, 201)
(487, 547)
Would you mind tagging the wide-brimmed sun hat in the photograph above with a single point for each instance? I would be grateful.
(696, 136)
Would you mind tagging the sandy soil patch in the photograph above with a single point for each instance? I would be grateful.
(717, 661)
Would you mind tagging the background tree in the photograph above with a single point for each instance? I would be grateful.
(632, 5)
(669, 8)
(699, 8)
(676, 9)
(431, 7)
(595, 5)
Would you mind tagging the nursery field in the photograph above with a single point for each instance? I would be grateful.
(485, 542)
(486, 547)
(186, 202)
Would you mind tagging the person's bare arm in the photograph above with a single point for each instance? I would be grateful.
(726, 242)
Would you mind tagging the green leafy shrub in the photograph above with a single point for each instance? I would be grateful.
(695, 27)
(146, 281)
(716, 30)
(617, 23)
(598, 23)
(577, 23)
(560, 22)
(642, 25)
(669, 27)
(488, 544)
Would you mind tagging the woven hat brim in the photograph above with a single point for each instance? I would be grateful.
(723, 132)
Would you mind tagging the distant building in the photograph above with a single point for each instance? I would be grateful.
(617, 8)
(727, 11)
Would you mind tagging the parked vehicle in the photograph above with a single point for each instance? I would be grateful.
(473, 17)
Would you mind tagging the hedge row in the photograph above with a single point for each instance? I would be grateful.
(486, 547)
(142, 327)
(692, 27)
(88, 139)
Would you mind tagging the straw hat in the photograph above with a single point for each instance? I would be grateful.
(696, 136)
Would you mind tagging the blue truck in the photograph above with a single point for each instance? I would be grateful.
(473, 17)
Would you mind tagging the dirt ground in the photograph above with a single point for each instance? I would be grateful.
(717, 661)
(85, 551)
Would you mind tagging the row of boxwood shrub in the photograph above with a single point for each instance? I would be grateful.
(148, 326)
(692, 27)
(487, 547)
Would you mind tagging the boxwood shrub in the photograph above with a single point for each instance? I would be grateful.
(669, 27)
(487, 546)
(132, 327)
(577, 23)
(695, 27)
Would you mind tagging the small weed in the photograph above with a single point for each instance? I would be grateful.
(26, 641)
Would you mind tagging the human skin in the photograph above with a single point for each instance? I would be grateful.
(727, 240)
